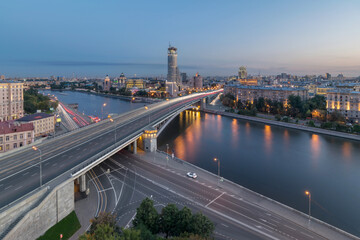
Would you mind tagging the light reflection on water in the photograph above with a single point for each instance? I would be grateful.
(277, 162)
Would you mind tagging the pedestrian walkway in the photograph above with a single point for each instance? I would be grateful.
(211, 180)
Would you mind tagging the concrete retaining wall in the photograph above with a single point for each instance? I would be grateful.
(56, 205)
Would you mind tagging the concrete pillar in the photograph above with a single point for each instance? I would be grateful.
(129, 147)
(82, 183)
(135, 147)
(203, 103)
(149, 139)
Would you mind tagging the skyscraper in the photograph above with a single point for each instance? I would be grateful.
(242, 72)
(173, 71)
(198, 81)
(106, 84)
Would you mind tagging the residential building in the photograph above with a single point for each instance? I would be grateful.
(323, 90)
(135, 83)
(11, 100)
(14, 135)
(250, 93)
(198, 81)
(346, 101)
(248, 82)
(122, 80)
(43, 123)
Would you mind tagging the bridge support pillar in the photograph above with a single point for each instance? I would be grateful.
(149, 140)
(135, 147)
(203, 103)
(82, 183)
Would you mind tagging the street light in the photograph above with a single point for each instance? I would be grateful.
(218, 161)
(37, 149)
(167, 154)
(102, 109)
(146, 108)
(111, 120)
(309, 194)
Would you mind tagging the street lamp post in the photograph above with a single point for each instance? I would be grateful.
(111, 120)
(37, 149)
(167, 154)
(218, 161)
(309, 194)
(102, 110)
(149, 114)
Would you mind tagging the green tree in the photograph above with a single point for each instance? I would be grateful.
(183, 221)
(147, 215)
(311, 123)
(201, 225)
(130, 234)
(168, 220)
(104, 218)
(336, 116)
(356, 128)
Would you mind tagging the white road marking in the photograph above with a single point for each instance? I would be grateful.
(289, 227)
(306, 234)
(25, 173)
(8, 187)
(54, 164)
(18, 188)
(224, 225)
(34, 174)
(214, 199)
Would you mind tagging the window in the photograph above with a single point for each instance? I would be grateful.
(7, 138)
(7, 147)
(29, 134)
(15, 137)
(1, 139)
(1, 148)
(15, 145)
(21, 136)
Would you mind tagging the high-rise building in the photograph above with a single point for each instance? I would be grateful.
(242, 72)
(198, 81)
(173, 70)
(106, 84)
(2, 77)
(183, 77)
(11, 100)
(327, 75)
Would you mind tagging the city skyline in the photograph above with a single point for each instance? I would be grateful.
(95, 39)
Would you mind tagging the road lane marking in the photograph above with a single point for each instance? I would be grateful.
(224, 225)
(8, 187)
(214, 199)
(25, 173)
(34, 174)
(289, 227)
(306, 234)
(18, 188)
(105, 189)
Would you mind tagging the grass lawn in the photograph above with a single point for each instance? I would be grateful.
(67, 227)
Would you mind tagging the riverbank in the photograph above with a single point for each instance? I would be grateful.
(286, 125)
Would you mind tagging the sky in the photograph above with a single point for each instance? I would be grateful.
(92, 38)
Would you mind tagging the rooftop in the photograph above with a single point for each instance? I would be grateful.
(343, 90)
(266, 88)
(12, 126)
(35, 116)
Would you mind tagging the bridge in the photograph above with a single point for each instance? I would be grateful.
(43, 167)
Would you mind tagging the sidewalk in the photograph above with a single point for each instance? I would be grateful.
(231, 188)
(85, 210)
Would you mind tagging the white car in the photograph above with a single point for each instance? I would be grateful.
(191, 174)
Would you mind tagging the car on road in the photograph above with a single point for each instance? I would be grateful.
(191, 174)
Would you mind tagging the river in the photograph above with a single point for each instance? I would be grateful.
(277, 162)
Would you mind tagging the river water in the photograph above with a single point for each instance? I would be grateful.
(277, 162)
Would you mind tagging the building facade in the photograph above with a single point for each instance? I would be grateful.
(14, 135)
(173, 70)
(106, 84)
(198, 81)
(242, 74)
(248, 82)
(346, 101)
(11, 100)
(44, 123)
(135, 83)
(250, 93)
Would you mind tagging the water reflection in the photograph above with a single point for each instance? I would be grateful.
(268, 139)
(315, 146)
(346, 149)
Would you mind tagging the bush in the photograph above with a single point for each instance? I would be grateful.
(311, 123)
(356, 128)
(327, 125)
(285, 119)
(277, 117)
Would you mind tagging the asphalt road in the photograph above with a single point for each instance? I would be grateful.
(133, 179)
(20, 171)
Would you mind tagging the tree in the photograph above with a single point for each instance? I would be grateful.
(102, 232)
(311, 123)
(130, 234)
(104, 218)
(336, 116)
(183, 221)
(356, 128)
(147, 215)
(168, 220)
(201, 225)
